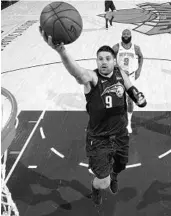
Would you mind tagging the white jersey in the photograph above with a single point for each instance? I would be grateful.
(127, 60)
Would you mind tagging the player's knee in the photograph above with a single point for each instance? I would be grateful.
(130, 102)
(130, 105)
(101, 183)
(120, 167)
(130, 109)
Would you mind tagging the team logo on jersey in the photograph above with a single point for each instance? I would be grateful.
(149, 18)
(120, 91)
(117, 88)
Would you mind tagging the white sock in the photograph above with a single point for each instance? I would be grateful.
(129, 117)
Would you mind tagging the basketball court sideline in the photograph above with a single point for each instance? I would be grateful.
(47, 167)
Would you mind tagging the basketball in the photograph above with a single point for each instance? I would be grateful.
(62, 21)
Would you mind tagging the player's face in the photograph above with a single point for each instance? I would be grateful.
(126, 36)
(105, 62)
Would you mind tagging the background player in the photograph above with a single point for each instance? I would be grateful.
(107, 136)
(109, 8)
(126, 54)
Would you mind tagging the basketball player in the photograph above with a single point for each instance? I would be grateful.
(109, 8)
(106, 135)
(130, 59)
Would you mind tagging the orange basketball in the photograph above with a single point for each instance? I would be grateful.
(62, 21)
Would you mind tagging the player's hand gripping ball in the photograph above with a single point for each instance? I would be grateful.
(58, 47)
(62, 22)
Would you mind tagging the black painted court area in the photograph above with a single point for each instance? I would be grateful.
(5, 4)
(60, 186)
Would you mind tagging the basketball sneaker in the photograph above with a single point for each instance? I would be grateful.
(113, 183)
(96, 196)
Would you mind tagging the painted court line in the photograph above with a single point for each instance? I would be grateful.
(128, 166)
(30, 136)
(90, 171)
(57, 153)
(42, 133)
(133, 165)
(164, 154)
(32, 167)
(17, 122)
(24, 147)
(32, 121)
(14, 152)
(83, 164)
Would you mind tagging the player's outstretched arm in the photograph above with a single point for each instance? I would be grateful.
(82, 75)
(132, 91)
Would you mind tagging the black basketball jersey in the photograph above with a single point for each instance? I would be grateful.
(106, 105)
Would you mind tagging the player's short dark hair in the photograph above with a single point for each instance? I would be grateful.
(106, 48)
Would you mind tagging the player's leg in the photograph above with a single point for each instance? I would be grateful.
(130, 104)
(120, 157)
(109, 15)
(130, 112)
(97, 186)
(101, 165)
(106, 20)
(107, 7)
(111, 21)
(112, 7)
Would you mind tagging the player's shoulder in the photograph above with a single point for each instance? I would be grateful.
(117, 71)
(88, 87)
(116, 47)
(137, 50)
(136, 47)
